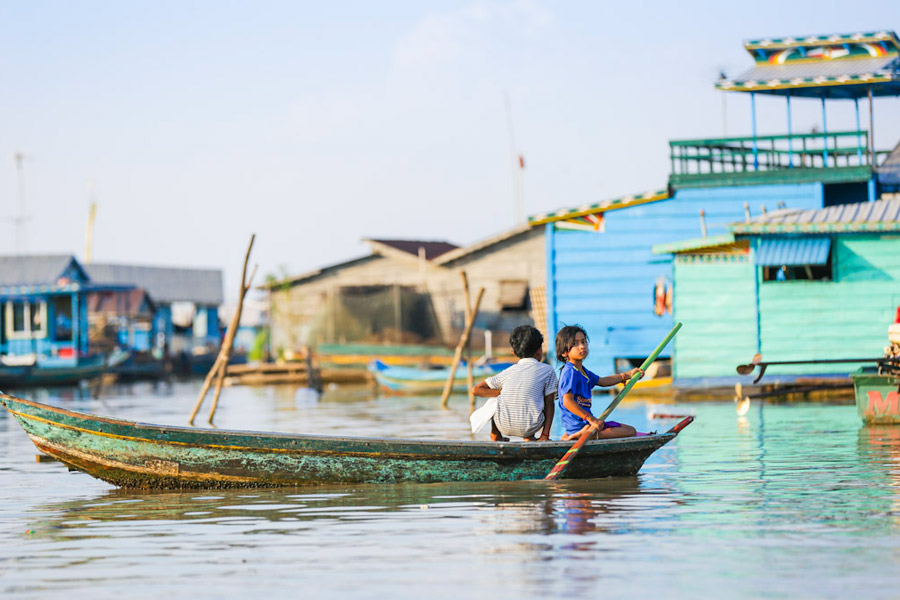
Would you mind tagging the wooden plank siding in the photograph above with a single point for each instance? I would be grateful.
(844, 318)
(716, 301)
(604, 280)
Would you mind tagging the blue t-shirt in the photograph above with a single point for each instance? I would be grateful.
(572, 381)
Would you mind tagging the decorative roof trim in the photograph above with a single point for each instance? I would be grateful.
(598, 207)
(798, 41)
(728, 85)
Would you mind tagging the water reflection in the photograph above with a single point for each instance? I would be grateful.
(530, 507)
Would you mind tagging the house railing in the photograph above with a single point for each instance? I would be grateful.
(836, 149)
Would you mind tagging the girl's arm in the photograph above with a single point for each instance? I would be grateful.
(575, 409)
(484, 391)
(618, 378)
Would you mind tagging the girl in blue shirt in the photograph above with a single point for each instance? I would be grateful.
(576, 383)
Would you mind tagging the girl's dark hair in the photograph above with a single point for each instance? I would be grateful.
(525, 341)
(565, 339)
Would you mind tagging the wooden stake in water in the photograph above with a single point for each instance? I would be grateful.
(217, 372)
(569, 456)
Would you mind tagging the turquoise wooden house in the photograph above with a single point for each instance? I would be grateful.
(601, 271)
(44, 324)
(793, 285)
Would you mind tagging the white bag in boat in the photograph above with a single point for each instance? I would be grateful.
(481, 418)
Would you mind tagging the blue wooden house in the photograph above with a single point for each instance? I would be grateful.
(601, 271)
(44, 325)
(792, 285)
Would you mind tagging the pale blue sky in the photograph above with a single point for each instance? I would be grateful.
(317, 124)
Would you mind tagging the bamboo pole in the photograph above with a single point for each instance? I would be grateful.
(217, 372)
(463, 339)
(470, 377)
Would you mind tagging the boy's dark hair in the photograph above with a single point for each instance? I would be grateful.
(565, 339)
(525, 341)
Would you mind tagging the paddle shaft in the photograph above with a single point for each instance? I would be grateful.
(557, 470)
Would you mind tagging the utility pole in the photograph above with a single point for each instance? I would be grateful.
(518, 166)
(89, 232)
(19, 159)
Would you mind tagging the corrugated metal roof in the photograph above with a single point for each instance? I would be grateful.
(164, 284)
(482, 245)
(724, 240)
(33, 269)
(432, 249)
(881, 215)
(793, 251)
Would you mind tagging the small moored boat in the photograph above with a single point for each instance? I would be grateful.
(130, 454)
(410, 380)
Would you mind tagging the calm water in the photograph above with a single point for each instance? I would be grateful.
(795, 500)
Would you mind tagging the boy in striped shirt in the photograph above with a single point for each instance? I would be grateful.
(525, 392)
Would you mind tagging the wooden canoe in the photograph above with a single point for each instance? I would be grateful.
(130, 454)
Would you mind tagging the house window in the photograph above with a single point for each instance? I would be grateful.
(26, 320)
(795, 258)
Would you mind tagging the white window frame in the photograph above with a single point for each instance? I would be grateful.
(27, 333)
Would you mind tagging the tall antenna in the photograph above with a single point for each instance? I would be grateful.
(517, 164)
(19, 159)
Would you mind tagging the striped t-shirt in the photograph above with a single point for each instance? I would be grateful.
(520, 407)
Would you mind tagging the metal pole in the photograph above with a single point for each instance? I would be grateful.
(755, 147)
(858, 132)
(824, 135)
(790, 138)
(871, 130)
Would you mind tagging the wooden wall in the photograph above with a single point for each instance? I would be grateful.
(715, 298)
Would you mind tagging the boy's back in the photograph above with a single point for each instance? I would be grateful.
(523, 387)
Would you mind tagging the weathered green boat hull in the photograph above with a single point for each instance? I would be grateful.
(877, 396)
(130, 454)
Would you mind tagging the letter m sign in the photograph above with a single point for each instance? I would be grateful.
(881, 406)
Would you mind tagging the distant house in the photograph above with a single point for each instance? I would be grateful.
(792, 285)
(410, 291)
(45, 310)
(121, 318)
(186, 301)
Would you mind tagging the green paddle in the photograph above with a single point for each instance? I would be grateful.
(557, 470)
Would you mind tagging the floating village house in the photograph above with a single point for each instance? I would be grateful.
(409, 291)
(601, 271)
(186, 302)
(44, 329)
